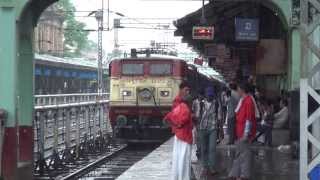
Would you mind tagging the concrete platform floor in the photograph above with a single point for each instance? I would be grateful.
(268, 164)
(155, 166)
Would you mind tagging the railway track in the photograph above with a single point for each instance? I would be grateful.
(114, 166)
(107, 166)
(81, 166)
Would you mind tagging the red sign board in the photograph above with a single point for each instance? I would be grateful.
(203, 32)
(198, 61)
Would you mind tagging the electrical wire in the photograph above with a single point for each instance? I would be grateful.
(177, 0)
(148, 28)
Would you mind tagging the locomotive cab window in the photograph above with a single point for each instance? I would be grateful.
(160, 69)
(132, 69)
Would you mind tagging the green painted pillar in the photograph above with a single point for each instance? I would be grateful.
(295, 59)
(16, 87)
(8, 79)
(8, 63)
(25, 95)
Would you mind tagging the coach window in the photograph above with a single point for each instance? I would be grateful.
(160, 69)
(132, 69)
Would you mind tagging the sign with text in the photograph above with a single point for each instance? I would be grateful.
(247, 29)
(7, 3)
(203, 32)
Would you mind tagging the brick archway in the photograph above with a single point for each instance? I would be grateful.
(35, 7)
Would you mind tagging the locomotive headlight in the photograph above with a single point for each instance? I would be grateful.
(126, 93)
(164, 93)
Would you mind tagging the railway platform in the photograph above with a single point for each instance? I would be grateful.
(269, 163)
(155, 166)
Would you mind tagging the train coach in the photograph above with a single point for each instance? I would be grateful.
(142, 91)
(56, 75)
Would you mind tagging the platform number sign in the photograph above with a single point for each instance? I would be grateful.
(7, 3)
(203, 32)
(247, 29)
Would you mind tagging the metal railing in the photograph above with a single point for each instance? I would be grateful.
(68, 123)
(68, 100)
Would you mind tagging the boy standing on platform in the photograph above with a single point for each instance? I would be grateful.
(208, 132)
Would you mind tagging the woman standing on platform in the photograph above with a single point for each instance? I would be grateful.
(180, 119)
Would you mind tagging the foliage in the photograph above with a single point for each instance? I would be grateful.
(76, 38)
(91, 46)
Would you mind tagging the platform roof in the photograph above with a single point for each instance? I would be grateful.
(221, 15)
(209, 72)
(66, 60)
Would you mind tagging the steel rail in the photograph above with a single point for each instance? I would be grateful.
(85, 170)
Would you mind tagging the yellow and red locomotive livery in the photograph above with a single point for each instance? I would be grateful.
(142, 91)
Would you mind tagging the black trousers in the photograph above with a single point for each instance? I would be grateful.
(267, 130)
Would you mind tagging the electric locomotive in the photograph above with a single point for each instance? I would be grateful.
(141, 93)
(142, 90)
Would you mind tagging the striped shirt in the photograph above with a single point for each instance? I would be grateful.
(209, 116)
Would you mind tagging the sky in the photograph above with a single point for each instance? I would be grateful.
(138, 13)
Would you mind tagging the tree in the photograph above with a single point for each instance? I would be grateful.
(91, 46)
(76, 38)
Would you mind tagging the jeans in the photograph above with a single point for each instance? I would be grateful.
(231, 129)
(241, 166)
(208, 142)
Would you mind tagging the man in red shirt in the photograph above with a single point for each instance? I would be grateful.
(180, 119)
(246, 126)
(246, 123)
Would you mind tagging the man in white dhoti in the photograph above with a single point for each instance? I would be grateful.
(180, 119)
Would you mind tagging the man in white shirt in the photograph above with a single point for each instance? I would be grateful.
(281, 117)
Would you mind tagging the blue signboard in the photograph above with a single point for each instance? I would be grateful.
(247, 29)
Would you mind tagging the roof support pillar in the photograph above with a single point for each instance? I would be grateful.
(8, 81)
(294, 47)
(16, 85)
